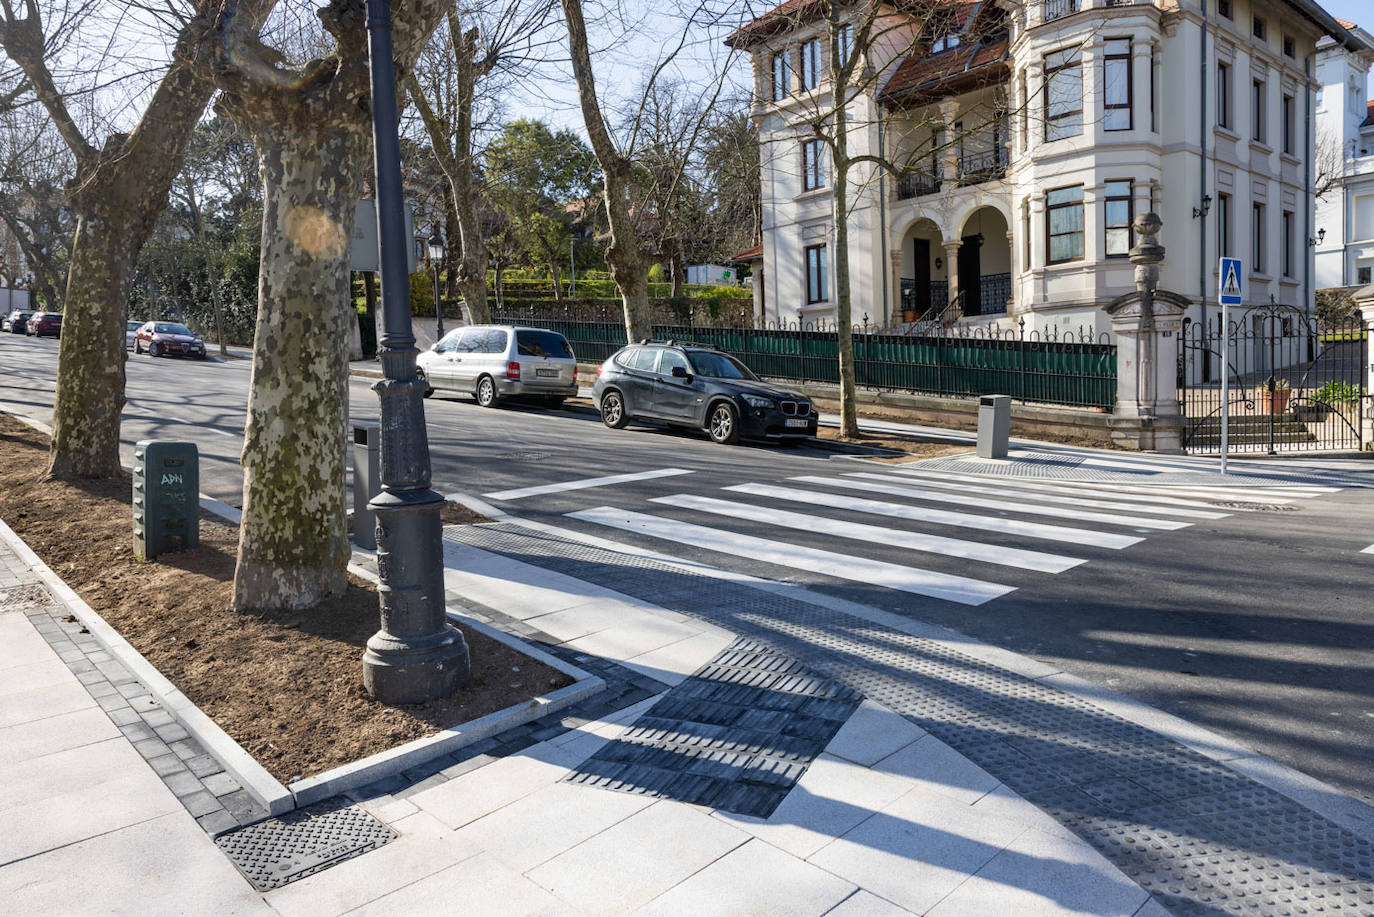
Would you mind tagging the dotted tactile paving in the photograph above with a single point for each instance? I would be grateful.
(737, 735)
(277, 851)
(29, 595)
(1200, 837)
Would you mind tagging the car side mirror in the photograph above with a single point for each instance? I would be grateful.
(434, 347)
(680, 372)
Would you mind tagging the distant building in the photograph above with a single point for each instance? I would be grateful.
(1345, 148)
(1041, 128)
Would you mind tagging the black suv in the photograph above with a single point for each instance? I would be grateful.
(696, 385)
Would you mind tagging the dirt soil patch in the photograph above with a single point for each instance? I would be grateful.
(912, 448)
(286, 685)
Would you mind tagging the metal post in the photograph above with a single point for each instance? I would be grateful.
(438, 307)
(417, 655)
(1225, 375)
(572, 269)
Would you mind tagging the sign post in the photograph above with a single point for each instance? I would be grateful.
(1228, 285)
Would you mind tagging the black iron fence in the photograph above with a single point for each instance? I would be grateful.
(916, 185)
(1294, 383)
(983, 166)
(1077, 369)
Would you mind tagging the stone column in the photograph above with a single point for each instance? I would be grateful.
(895, 259)
(1146, 324)
(952, 267)
(1364, 301)
(949, 157)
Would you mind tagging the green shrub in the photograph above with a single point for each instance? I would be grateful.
(1334, 392)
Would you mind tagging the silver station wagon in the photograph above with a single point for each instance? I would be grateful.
(494, 362)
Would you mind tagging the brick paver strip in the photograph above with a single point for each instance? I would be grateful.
(1200, 837)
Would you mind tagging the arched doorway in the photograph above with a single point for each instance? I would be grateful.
(983, 271)
(923, 274)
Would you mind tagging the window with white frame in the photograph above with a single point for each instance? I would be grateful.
(1064, 224)
(1257, 238)
(945, 42)
(782, 77)
(1290, 116)
(813, 165)
(1063, 94)
(1257, 102)
(846, 43)
(810, 64)
(1286, 242)
(1223, 224)
(1224, 95)
(1116, 84)
(817, 289)
(1116, 217)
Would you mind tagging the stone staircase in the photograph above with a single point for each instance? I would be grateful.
(1246, 430)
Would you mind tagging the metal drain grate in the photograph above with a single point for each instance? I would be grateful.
(13, 598)
(280, 850)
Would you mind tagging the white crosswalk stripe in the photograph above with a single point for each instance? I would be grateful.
(878, 534)
(583, 484)
(1004, 488)
(1280, 494)
(879, 484)
(1116, 492)
(961, 589)
(1040, 530)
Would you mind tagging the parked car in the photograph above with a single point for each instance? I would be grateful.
(43, 324)
(166, 338)
(696, 385)
(15, 322)
(495, 362)
(130, 330)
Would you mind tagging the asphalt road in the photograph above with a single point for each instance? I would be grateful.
(1257, 624)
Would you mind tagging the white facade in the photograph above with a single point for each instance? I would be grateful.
(1345, 147)
(990, 168)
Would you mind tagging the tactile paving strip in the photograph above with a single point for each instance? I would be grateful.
(280, 850)
(1179, 824)
(12, 598)
(737, 735)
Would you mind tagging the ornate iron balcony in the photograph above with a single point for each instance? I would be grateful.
(984, 166)
(916, 185)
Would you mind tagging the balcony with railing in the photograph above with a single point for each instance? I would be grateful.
(916, 185)
(987, 165)
(1056, 9)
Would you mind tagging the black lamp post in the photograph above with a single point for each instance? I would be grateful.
(436, 254)
(417, 655)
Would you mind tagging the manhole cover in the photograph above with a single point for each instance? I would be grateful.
(16, 597)
(281, 850)
(1254, 507)
(524, 456)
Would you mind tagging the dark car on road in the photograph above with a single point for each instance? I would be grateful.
(43, 324)
(158, 339)
(696, 385)
(15, 322)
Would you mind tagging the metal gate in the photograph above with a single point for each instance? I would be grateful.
(1296, 384)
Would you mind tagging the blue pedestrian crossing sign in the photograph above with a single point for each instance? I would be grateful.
(1230, 281)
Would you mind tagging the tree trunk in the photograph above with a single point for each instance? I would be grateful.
(679, 265)
(293, 547)
(90, 362)
(849, 420)
(557, 278)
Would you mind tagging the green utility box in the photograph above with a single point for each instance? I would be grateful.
(166, 497)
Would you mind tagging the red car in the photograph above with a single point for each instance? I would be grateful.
(41, 324)
(165, 338)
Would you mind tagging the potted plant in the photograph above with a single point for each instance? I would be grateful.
(1275, 400)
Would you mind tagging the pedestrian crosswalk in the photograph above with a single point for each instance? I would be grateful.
(959, 538)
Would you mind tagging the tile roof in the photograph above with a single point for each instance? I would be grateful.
(770, 22)
(1368, 114)
(1345, 23)
(921, 70)
(749, 254)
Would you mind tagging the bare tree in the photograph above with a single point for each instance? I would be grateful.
(118, 191)
(34, 168)
(1328, 164)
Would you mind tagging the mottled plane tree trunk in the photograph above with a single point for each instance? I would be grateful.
(311, 130)
(117, 194)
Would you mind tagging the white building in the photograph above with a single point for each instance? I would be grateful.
(1030, 134)
(1345, 149)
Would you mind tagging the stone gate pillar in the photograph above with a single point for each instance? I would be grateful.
(1364, 301)
(1147, 324)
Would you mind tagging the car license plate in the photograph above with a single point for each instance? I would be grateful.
(546, 372)
(795, 422)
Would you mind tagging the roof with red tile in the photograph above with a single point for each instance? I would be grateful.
(922, 73)
(1345, 23)
(749, 254)
(1368, 114)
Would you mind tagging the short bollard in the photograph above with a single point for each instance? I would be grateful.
(994, 426)
(367, 482)
(166, 497)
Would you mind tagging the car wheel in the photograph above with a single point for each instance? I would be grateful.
(429, 389)
(138, 348)
(723, 424)
(486, 392)
(152, 349)
(613, 413)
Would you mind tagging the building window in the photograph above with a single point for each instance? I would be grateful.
(1063, 94)
(1154, 87)
(782, 77)
(1025, 234)
(1289, 49)
(816, 270)
(1286, 243)
(1025, 113)
(1257, 28)
(1117, 216)
(810, 64)
(1224, 225)
(846, 43)
(813, 165)
(945, 42)
(1257, 105)
(1116, 83)
(1224, 95)
(1257, 238)
(1064, 224)
(1363, 274)
(1224, 8)
(1290, 109)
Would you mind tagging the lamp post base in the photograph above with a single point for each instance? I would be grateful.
(415, 672)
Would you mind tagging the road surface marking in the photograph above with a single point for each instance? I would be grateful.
(1116, 493)
(879, 534)
(582, 484)
(916, 493)
(1368, 550)
(914, 580)
(1014, 490)
(1041, 530)
(1278, 494)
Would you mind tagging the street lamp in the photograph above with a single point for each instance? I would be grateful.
(417, 655)
(1321, 237)
(436, 254)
